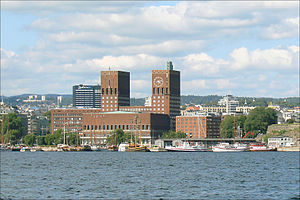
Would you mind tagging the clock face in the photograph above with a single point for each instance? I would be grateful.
(158, 81)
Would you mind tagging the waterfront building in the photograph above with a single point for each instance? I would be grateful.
(87, 96)
(146, 126)
(165, 97)
(115, 90)
(280, 142)
(69, 120)
(199, 126)
(166, 93)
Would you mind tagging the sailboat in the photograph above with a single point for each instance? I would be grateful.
(135, 146)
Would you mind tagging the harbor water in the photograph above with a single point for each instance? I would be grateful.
(161, 175)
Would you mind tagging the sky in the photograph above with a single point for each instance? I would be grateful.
(243, 48)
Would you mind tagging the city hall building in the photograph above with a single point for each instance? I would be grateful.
(159, 114)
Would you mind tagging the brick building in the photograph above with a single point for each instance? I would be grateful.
(98, 126)
(159, 115)
(69, 119)
(115, 90)
(199, 127)
(165, 94)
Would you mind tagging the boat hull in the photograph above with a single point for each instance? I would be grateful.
(220, 149)
(186, 150)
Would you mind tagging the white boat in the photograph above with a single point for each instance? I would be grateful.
(186, 147)
(23, 149)
(95, 148)
(155, 148)
(123, 147)
(226, 147)
(260, 147)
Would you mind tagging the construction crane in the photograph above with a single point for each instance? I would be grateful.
(248, 134)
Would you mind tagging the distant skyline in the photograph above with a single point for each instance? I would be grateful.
(239, 48)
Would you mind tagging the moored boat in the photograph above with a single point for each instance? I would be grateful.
(226, 147)
(155, 148)
(186, 147)
(260, 147)
(112, 148)
(23, 149)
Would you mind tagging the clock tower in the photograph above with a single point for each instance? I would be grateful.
(166, 92)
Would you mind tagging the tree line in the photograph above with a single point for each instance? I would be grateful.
(256, 122)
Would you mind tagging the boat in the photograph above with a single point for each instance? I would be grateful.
(123, 146)
(156, 148)
(136, 148)
(260, 147)
(112, 148)
(186, 147)
(23, 149)
(226, 147)
(95, 148)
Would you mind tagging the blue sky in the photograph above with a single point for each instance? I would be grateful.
(242, 48)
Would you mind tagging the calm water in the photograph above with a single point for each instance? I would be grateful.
(166, 175)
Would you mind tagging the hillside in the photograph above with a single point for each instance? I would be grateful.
(287, 130)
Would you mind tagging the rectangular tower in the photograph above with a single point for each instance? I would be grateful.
(166, 93)
(87, 96)
(115, 90)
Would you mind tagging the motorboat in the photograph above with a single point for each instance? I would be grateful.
(186, 147)
(260, 147)
(156, 148)
(226, 147)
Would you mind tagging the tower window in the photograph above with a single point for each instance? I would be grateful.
(167, 90)
(111, 91)
(157, 90)
(153, 90)
(106, 90)
(115, 90)
(102, 90)
(162, 90)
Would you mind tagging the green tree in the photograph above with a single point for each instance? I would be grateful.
(73, 139)
(119, 137)
(41, 140)
(259, 119)
(173, 135)
(290, 121)
(29, 140)
(12, 128)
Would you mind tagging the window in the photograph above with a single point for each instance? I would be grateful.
(115, 90)
(157, 90)
(110, 90)
(162, 90)
(153, 90)
(106, 90)
(167, 90)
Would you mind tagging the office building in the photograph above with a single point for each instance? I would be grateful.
(115, 89)
(87, 96)
(199, 127)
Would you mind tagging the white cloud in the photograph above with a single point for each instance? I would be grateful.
(286, 28)
(217, 46)
(280, 58)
